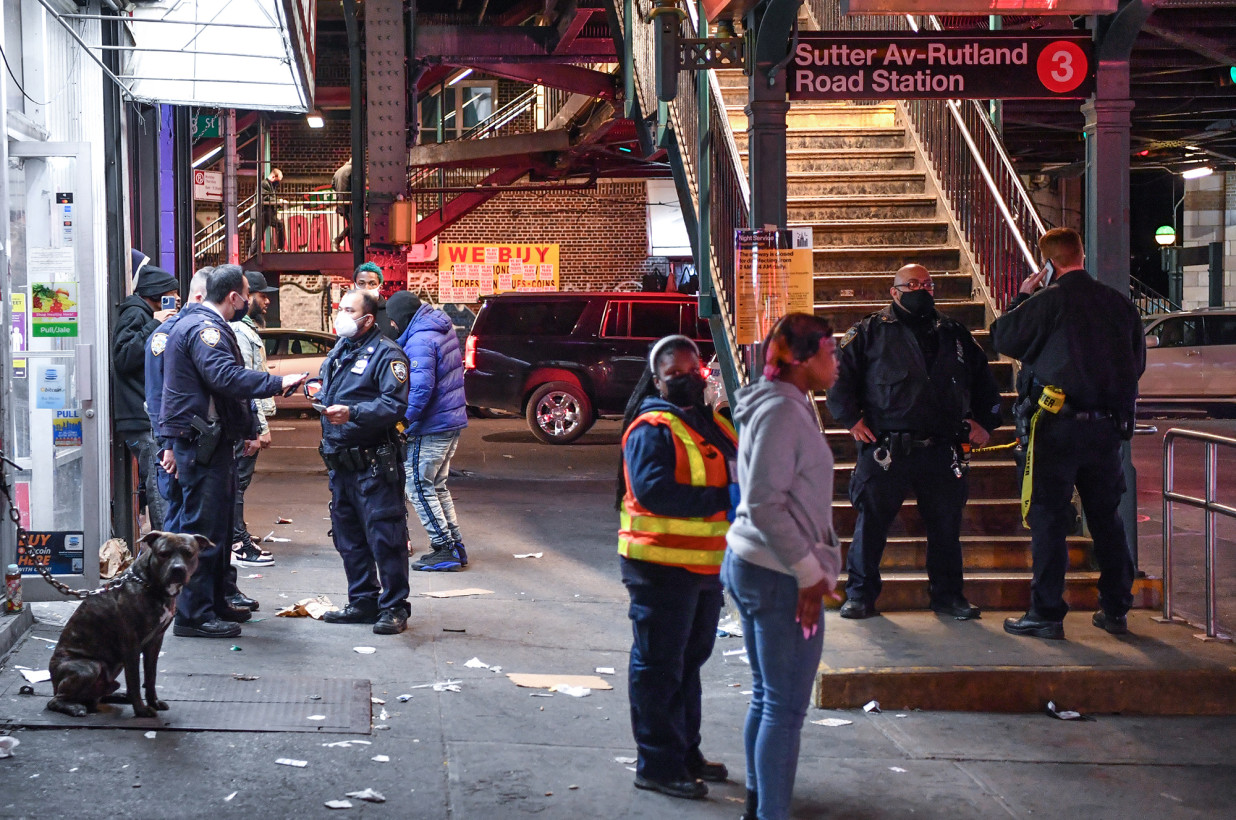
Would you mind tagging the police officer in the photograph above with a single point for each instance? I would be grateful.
(1082, 350)
(912, 385)
(364, 396)
(206, 408)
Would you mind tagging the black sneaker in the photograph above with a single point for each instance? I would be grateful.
(443, 560)
(352, 614)
(391, 622)
(214, 628)
(250, 556)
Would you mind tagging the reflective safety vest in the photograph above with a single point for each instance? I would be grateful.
(695, 544)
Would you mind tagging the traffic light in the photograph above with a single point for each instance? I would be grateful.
(1227, 76)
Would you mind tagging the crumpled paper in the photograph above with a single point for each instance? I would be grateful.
(114, 558)
(368, 795)
(7, 745)
(314, 607)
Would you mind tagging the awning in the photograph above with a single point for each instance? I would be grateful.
(255, 54)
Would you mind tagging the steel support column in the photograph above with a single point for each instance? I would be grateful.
(1107, 127)
(703, 170)
(231, 235)
(185, 224)
(766, 112)
(387, 122)
(357, 104)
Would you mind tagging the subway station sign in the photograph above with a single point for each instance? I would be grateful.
(842, 65)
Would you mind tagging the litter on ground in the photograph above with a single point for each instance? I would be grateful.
(457, 593)
(541, 681)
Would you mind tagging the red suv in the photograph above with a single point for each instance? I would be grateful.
(564, 359)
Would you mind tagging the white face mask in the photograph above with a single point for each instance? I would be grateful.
(345, 325)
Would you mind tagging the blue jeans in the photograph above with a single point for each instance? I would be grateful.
(428, 465)
(783, 669)
(144, 449)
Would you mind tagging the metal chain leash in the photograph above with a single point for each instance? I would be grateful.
(15, 517)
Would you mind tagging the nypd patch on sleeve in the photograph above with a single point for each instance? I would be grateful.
(210, 335)
(158, 343)
(849, 336)
(400, 371)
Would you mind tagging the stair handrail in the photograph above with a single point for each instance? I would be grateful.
(1148, 300)
(1211, 507)
(209, 233)
(492, 123)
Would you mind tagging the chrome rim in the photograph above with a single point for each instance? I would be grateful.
(558, 414)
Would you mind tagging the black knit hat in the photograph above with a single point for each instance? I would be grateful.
(154, 282)
(401, 307)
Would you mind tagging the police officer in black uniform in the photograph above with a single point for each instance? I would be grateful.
(1082, 350)
(206, 409)
(912, 386)
(364, 397)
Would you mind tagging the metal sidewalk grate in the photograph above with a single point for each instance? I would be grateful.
(219, 703)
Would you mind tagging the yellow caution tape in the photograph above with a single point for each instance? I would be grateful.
(1051, 400)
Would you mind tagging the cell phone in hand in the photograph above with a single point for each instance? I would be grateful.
(168, 302)
(1050, 271)
(291, 390)
(317, 405)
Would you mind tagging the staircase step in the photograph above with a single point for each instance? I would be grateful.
(863, 232)
(837, 287)
(827, 161)
(806, 209)
(997, 478)
(979, 516)
(1004, 591)
(911, 661)
(980, 553)
(845, 314)
(857, 183)
(825, 138)
(884, 258)
(820, 116)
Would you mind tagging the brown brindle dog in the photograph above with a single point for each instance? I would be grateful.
(111, 630)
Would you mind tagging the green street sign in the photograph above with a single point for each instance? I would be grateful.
(207, 126)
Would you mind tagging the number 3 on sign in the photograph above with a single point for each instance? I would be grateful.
(1062, 66)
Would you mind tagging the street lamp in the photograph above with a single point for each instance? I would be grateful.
(1197, 173)
(1165, 235)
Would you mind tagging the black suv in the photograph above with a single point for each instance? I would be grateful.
(563, 359)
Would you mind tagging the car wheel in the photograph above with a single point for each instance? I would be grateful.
(559, 413)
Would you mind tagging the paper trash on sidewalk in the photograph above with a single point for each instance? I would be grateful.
(368, 795)
(314, 607)
(282, 520)
(605, 670)
(338, 804)
(381, 759)
(7, 745)
(476, 663)
(872, 707)
(287, 761)
(458, 593)
(730, 627)
(114, 558)
(573, 691)
(35, 675)
(833, 722)
(530, 555)
(447, 686)
(539, 681)
(1063, 714)
(626, 761)
(364, 650)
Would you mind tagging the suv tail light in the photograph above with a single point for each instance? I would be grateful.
(470, 353)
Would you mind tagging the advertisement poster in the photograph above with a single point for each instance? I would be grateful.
(53, 309)
(53, 384)
(18, 335)
(770, 280)
(67, 429)
(60, 552)
(468, 272)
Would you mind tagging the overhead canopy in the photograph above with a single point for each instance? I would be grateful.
(255, 54)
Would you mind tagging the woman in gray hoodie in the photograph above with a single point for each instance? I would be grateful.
(782, 555)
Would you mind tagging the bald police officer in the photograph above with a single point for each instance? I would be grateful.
(363, 399)
(206, 409)
(911, 385)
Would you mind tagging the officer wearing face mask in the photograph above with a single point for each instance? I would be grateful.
(676, 496)
(206, 410)
(364, 397)
(912, 386)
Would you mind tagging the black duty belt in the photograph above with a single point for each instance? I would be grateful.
(349, 458)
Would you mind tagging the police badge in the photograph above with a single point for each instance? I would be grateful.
(158, 343)
(210, 335)
(400, 371)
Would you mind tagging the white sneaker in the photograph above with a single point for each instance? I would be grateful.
(247, 555)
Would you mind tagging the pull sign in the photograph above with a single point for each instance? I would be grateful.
(64, 210)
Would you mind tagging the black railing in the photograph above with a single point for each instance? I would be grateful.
(1148, 300)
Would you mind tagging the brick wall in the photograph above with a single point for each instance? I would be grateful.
(304, 153)
(602, 234)
(1210, 216)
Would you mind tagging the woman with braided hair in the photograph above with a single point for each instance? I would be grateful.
(782, 554)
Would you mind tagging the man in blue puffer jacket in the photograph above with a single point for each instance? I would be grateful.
(436, 416)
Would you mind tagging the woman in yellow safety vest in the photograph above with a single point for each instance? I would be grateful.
(677, 496)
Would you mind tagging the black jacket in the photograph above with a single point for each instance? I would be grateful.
(384, 322)
(883, 378)
(1081, 336)
(133, 327)
(370, 376)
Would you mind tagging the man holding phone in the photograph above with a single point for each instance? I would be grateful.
(155, 298)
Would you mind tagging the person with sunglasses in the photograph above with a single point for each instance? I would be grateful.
(911, 387)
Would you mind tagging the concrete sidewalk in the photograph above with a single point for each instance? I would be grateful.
(492, 751)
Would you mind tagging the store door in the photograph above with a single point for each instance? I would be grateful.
(58, 396)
